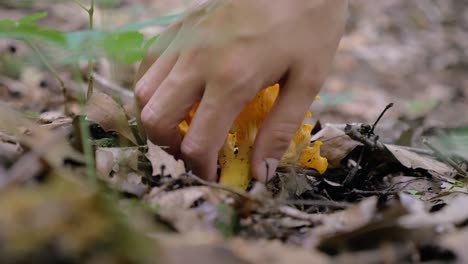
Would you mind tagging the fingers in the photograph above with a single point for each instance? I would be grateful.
(209, 129)
(280, 125)
(156, 65)
(170, 104)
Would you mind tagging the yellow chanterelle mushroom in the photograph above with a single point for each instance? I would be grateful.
(234, 156)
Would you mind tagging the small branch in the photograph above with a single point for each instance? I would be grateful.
(295, 213)
(123, 93)
(390, 105)
(325, 203)
(376, 192)
(371, 141)
(221, 187)
(78, 2)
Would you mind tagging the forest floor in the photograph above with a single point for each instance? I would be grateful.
(390, 195)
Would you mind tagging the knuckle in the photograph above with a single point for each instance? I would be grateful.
(192, 149)
(231, 71)
(176, 80)
(140, 90)
(150, 119)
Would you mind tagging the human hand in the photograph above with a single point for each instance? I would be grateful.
(221, 55)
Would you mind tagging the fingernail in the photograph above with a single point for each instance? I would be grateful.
(267, 170)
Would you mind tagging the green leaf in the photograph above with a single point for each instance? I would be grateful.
(120, 45)
(123, 47)
(7, 23)
(32, 18)
(26, 29)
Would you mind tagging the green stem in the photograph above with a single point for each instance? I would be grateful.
(54, 73)
(87, 149)
(85, 135)
(91, 61)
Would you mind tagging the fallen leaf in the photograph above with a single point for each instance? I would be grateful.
(10, 149)
(336, 145)
(451, 214)
(164, 163)
(53, 146)
(456, 242)
(119, 167)
(176, 207)
(203, 248)
(423, 188)
(413, 160)
(107, 113)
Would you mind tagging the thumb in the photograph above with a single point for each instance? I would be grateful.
(279, 127)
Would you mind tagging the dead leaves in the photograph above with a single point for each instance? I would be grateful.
(412, 160)
(105, 111)
(119, 167)
(164, 163)
(191, 209)
(336, 144)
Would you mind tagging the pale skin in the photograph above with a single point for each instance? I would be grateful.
(221, 54)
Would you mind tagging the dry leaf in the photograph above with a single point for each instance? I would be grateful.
(161, 160)
(415, 161)
(119, 167)
(336, 145)
(53, 146)
(456, 242)
(106, 112)
(10, 150)
(176, 207)
(204, 249)
(451, 214)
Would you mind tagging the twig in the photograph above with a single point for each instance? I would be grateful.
(81, 5)
(445, 158)
(295, 213)
(324, 203)
(378, 119)
(369, 140)
(375, 192)
(221, 187)
(352, 173)
(364, 134)
(121, 91)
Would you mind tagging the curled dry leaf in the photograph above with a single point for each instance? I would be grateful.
(164, 163)
(336, 145)
(106, 112)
